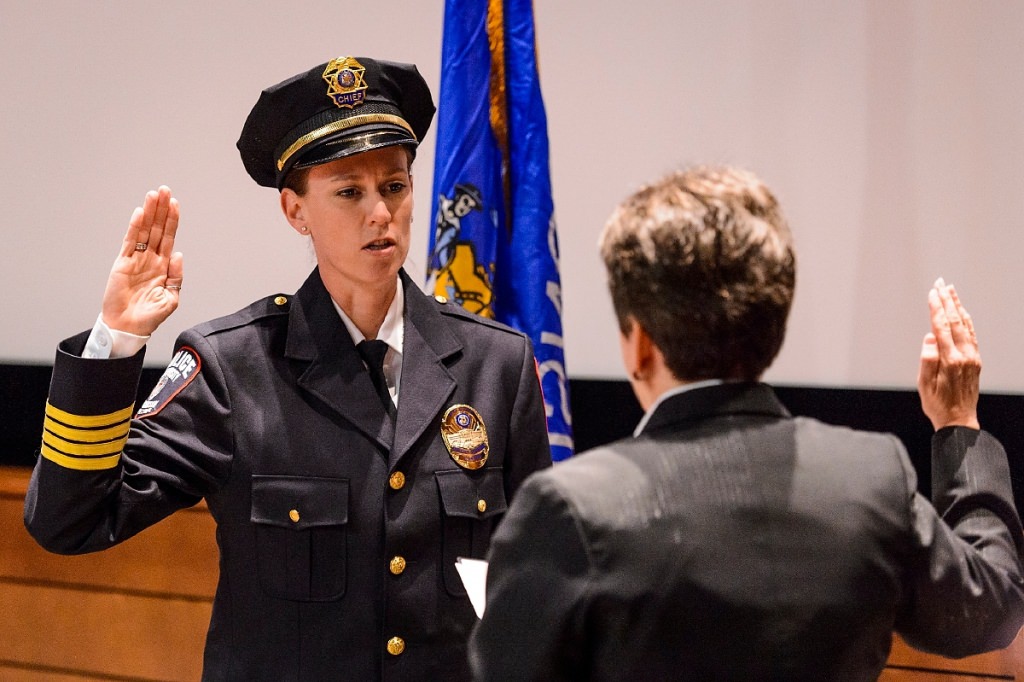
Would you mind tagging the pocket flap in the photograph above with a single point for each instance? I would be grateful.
(299, 502)
(472, 494)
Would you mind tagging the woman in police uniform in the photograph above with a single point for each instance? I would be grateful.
(345, 477)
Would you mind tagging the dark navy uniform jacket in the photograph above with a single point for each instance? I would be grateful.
(337, 537)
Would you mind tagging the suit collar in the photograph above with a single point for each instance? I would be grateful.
(682, 388)
(712, 401)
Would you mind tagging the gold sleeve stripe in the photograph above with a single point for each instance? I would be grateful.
(85, 435)
(90, 421)
(80, 463)
(84, 449)
(85, 442)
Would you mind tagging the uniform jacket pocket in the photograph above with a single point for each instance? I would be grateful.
(471, 503)
(300, 526)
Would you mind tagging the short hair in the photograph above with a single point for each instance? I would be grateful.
(703, 260)
(297, 180)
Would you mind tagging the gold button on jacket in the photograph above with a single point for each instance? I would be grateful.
(397, 565)
(396, 645)
(397, 480)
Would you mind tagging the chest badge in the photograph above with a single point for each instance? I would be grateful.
(465, 436)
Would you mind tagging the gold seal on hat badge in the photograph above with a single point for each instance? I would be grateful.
(465, 436)
(345, 84)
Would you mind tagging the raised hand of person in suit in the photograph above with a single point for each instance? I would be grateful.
(949, 375)
(145, 281)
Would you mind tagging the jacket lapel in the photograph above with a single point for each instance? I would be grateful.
(427, 385)
(333, 371)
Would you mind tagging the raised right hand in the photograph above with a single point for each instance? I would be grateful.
(949, 375)
(145, 281)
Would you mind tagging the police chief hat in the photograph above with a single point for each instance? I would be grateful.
(346, 106)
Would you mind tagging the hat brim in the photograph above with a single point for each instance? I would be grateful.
(345, 144)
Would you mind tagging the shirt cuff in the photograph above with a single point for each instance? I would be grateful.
(106, 343)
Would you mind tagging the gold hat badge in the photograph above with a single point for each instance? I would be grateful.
(465, 436)
(345, 84)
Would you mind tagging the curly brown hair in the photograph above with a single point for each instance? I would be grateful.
(703, 260)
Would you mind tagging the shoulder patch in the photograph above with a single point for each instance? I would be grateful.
(183, 369)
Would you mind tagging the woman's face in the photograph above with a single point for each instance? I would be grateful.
(358, 212)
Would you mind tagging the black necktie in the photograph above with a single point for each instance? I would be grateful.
(373, 353)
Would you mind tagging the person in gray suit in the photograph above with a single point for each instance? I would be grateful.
(351, 439)
(728, 540)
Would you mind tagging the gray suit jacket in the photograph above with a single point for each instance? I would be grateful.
(730, 541)
(335, 535)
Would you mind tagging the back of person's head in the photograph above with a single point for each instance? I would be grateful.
(703, 261)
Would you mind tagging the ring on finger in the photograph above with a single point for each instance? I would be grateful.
(176, 287)
(141, 246)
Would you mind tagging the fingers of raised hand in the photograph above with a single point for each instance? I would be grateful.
(939, 320)
(929, 348)
(169, 228)
(947, 323)
(962, 336)
(147, 217)
(175, 274)
(965, 317)
(132, 241)
(929, 366)
(957, 356)
(153, 225)
(157, 210)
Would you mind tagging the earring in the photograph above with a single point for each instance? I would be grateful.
(305, 229)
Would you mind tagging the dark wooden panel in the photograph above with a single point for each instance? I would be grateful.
(1006, 664)
(927, 675)
(103, 633)
(138, 611)
(14, 672)
(177, 556)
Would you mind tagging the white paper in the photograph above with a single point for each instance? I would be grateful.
(474, 577)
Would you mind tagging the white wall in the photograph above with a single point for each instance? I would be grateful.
(892, 131)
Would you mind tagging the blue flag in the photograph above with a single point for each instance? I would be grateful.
(494, 249)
